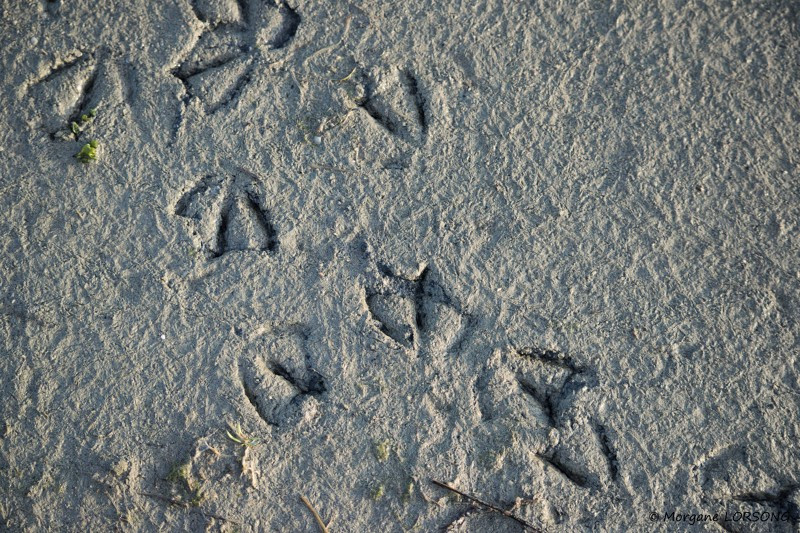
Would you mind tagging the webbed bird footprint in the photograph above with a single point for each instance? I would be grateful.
(530, 393)
(73, 87)
(416, 313)
(740, 478)
(228, 214)
(280, 382)
(395, 102)
(220, 64)
(551, 379)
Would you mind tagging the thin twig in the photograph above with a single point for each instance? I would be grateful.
(489, 506)
(314, 512)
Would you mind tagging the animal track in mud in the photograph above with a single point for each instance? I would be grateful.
(75, 85)
(779, 504)
(396, 104)
(533, 390)
(784, 500)
(416, 313)
(567, 469)
(229, 215)
(279, 380)
(226, 48)
(608, 450)
(724, 478)
(551, 381)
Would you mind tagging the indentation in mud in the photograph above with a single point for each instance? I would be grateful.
(545, 402)
(738, 478)
(551, 379)
(290, 22)
(396, 104)
(218, 12)
(608, 451)
(60, 68)
(550, 357)
(417, 312)
(228, 214)
(279, 380)
(567, 469)
(392, 312)
(221, 64)
(217, 69)
(244, 225)
(783, 500)
(419, 101)
(533, 391)
(194, 201)
(73, 87)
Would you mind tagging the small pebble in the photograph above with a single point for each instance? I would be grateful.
(317, 140)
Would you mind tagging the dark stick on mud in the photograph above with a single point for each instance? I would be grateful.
(314, 512)
(489, 506)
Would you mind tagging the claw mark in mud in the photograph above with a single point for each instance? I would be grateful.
(279, 380)
(229, 214)
(415, 312)
(567, 471)
(225, 50)
(391, 103)
(608, 451)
